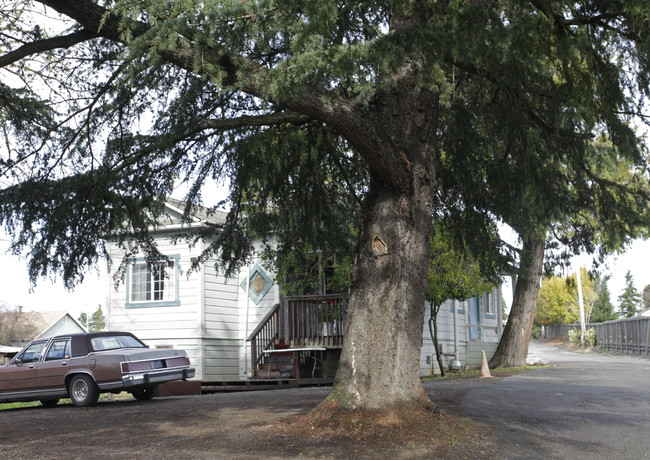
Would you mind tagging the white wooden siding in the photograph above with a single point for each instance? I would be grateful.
(177, 326)
(221, 314)
(211, 317)
(221, 337)
(473, 356)
(221, 360)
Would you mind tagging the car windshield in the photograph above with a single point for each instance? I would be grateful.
(110, 342)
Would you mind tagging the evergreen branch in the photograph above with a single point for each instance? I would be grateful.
(224, 124)
(544, 7)
(642, 116)
(345, 116)
(347, 180)
(244, 121)
(610, 184)
(592, 20)
(48, 44)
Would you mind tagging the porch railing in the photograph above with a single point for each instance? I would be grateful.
(313, 321)
(316, 320)
(265, 335)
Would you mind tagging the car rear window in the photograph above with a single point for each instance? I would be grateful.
(111, 342)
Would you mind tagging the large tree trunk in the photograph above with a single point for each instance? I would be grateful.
(380, 360)
(513, 346)
(379, 366)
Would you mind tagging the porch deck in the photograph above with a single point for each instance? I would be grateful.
(313, 324)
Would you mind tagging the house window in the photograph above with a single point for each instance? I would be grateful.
(490, 305)
(460, 304)
(474, 319)
(153, 284)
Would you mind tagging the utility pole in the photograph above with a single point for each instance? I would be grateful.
(581, 305)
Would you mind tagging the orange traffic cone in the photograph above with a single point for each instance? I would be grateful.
(485, 370)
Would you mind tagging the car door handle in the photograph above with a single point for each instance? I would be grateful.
(64, 363)
(31, 366)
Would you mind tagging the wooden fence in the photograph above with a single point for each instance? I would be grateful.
(630, 335)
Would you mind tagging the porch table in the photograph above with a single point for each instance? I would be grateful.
(295, 354)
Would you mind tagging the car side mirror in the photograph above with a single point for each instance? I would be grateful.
(18, 361)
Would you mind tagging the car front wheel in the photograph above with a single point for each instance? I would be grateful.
(83, 391)
(144, 394)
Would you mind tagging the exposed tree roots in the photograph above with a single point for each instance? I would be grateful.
(417, 424)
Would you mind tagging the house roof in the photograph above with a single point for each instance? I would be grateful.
(4, 350)
(199, 214)
(44, 320)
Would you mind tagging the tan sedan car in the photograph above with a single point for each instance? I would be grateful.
(81, 366)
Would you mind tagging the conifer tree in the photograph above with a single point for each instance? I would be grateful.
(630, 301)
(603, 308)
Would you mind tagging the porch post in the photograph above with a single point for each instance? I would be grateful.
(454, 307)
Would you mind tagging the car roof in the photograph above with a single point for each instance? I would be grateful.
(81, 341)
(95, 334)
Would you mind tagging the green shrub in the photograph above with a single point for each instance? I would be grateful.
(590, 337)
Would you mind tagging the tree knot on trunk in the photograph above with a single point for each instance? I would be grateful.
(379, 246)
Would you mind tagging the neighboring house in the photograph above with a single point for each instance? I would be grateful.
(44, 324)
(167, 305)
(464, 329)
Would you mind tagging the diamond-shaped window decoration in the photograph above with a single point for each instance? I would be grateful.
(259, 284)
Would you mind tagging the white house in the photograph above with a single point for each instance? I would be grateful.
(202, 312)
(167, 305)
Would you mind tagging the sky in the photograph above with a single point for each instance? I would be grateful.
(15, 289)
(634, 259)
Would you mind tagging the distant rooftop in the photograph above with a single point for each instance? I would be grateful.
(176, 208)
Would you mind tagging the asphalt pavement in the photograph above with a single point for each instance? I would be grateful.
(586, 405)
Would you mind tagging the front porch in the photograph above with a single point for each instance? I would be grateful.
(300, 339)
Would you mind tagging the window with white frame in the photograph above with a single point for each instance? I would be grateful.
(490, 304)
(153, 284)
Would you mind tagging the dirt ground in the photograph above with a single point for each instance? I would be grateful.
(247, 425)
